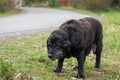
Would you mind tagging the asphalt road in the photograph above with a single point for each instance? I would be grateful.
(36, 18)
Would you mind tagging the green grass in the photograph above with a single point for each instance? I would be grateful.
(76, 10)
(11, 12)
(6, 70)
(29, 55)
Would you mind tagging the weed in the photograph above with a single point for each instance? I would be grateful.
(6, 70)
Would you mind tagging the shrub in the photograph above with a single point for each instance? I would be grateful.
(35, 3)
(2, 3)
(6, 5)
(92, 4)
(53, 3)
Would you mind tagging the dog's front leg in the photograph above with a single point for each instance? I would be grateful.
(59, 66)
(80, 60)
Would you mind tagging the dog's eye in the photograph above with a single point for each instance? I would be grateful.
(49, 45)
(58, 48)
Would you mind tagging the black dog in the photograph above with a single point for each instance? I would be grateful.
(76, 38)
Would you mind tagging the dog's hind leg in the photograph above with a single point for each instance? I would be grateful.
(98, 54)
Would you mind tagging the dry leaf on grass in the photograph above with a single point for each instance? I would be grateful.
(60, 74)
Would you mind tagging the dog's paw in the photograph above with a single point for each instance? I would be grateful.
(57, 71)
(80, 77)
(97, 66)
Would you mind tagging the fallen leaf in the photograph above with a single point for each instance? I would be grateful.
(60, 74)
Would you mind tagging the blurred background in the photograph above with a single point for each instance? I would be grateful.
(7, 5)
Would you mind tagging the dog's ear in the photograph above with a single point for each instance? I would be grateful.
(67, 45)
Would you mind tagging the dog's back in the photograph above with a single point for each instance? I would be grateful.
(96, 24)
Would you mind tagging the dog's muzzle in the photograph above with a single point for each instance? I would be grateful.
(51, 56)
(55, 56)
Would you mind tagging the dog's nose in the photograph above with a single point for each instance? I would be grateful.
(50, 55)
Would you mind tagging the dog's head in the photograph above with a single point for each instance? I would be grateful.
(57, 45)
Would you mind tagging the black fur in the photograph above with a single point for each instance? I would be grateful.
(76, 38)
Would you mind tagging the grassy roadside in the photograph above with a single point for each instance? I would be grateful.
(11, 12)
(76, 10)
(29, 56)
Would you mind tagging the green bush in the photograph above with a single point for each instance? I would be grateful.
(53, 3)
(2, 3)
(6, 70)
(6, 5)
(35, 3)
(92, 4)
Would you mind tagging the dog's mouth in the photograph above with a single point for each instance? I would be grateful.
(52, 59)
(56, 57)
